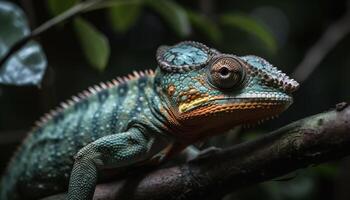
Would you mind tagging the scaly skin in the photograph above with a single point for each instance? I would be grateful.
(145, 118)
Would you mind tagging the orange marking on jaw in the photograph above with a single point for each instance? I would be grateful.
(214, 108)
(194, 98)
(171, 90)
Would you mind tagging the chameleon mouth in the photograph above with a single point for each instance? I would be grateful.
(235, 102)
(252, 110)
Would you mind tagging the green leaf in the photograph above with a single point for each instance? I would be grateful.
(27, 65)
(251, 26)
(58, 6)
(326, 170)
(123, 16)
(173, 14)
(205, 26)
(94, 44)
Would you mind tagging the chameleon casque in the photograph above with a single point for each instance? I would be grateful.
(144, 118)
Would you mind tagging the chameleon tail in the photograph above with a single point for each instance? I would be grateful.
(9, 181)
(7, 185)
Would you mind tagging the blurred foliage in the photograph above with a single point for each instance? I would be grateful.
(251, 26)
(57, 7)
(173, 14)
(94, 44)
(26, 66)
(206, 26)
(327, 171)
(123, 17)
(300, 185)
(117, 35)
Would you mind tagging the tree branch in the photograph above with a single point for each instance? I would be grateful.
(309, 141)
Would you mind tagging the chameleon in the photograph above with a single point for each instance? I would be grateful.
(144, 118)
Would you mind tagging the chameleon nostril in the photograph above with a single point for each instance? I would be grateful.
(171, 90)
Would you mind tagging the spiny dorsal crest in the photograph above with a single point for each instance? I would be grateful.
(89, 92)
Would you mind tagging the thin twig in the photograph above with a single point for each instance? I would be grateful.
(47, 25)
(111, 3)
(330, 38)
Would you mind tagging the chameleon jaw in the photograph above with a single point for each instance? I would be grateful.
(255, 108)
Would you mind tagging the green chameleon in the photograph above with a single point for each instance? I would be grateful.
(144, 118)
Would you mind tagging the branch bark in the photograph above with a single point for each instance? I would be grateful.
(310, 141)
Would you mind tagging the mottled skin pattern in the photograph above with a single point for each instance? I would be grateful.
(146, 118)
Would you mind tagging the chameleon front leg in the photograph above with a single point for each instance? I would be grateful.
(111, 151)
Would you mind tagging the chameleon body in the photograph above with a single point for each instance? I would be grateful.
(144, 118)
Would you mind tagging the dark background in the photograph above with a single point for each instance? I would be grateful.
(295, 25)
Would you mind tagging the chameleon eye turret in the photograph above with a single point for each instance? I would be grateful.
(227, 72)
(184, 56)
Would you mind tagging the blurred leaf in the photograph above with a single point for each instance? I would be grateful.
(299, 188)
(173, 14)
(252, 134)
(205, 25)
(94, 44)
(123, 16)
(251, 26)
(27, 65)
(58, 6)
(326, 170)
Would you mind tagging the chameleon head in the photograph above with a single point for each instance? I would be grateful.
(205, 87)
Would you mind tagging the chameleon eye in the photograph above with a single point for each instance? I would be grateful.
(227, 72)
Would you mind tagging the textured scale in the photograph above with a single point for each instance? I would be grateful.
(143, 118)
(185, 55)
(99, 112)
